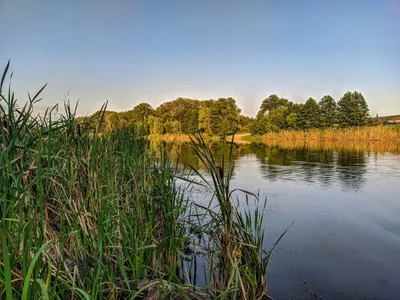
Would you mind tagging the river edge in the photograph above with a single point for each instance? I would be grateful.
(371, 145)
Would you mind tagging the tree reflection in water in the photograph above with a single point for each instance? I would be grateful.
(320, 163)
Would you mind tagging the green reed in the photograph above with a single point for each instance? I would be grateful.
(235, 236)
(83, 215)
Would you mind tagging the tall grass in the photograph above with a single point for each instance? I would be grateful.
(372, 133)
(83, 215)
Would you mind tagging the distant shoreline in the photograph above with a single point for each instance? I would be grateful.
(362, 134)
(356, 134)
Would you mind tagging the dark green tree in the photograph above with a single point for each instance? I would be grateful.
(292, 120)
(271, 103)
(353, 110)
(259, 126)
(328, 112)
(224, 117)
(272, 115)
(141, 112)
(190, 122)
(309, 114)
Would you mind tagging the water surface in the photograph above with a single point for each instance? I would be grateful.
(345, 202)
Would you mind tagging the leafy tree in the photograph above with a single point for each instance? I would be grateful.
(272, 115)
(299, 110)
(175, 110)
(116, 120)
(291, 120)
(259, 126)
(190, 122)
(309, 114)
(174, 127)
(328, 112)
(277, 118)
(353, 110)
(271, 103)
(156, 125)
(245, 123)
(224, 117)
(205, 120)
(141, 112)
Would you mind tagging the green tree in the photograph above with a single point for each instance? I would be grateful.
(190, 122)
(173, 127)
(224, 117)
(328, 112)
(116, 120)
(244, 123)
(271, 103)
(141, 112)
(309, 115)
(259, 126)
(353, 110)
(272, 115)
(156, 125)
(291, 120)
(277, 118)
(205, 120)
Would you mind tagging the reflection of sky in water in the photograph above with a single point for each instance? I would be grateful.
(345, 243)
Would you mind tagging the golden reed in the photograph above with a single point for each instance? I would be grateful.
(376, 133)
(370, 139)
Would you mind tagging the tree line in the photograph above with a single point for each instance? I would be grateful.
(219, 117)
(223, 117)
(279, 113)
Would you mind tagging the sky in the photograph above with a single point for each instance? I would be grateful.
(128, 52)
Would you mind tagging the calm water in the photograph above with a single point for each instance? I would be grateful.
(345, 243)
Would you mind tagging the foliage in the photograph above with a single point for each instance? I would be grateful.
(353, 110)
(309, 115)
(224, 117)
(245, 123)
(278, 114)
(327, 111)
(181, 116)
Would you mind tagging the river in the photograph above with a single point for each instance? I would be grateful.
(345, 202)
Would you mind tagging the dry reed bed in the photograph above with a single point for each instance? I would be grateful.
(359, 146)
(375, 133)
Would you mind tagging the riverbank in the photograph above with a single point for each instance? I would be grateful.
(371, 134)
(240, 138)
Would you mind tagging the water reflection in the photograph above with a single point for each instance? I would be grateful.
(323, 165)
(352, 166)
(344, 200)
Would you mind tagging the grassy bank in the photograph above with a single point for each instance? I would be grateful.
(98, 216)
(83, 215)
(374, 133)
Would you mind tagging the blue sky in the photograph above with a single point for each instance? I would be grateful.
(136, 51)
